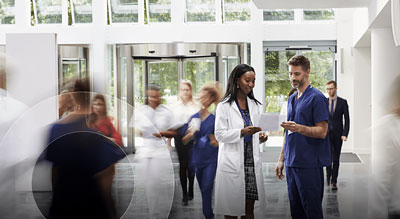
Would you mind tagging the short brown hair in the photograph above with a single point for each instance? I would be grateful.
(332, 82)
(300, 60)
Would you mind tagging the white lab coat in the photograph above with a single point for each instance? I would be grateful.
(155, 165)
(384, 191)
(230, 197)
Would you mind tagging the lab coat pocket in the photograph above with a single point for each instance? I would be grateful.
(231, 163)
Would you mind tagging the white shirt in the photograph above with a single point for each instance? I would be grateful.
(150, 121)
(183, 112)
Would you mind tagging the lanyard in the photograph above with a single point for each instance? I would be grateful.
(246, 118)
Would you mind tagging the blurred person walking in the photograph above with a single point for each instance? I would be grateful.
(239, 179)
(66, 104)
(82, 164)
(154, 121)
(182, 110)
(200, 129)
(384, 191)
(100, 121)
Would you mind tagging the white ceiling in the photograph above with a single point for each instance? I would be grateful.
(310, 4)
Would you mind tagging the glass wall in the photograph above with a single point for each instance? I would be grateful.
(199, 71)
(7, 12)
(325, 14)
(81, 11)
(165, 74)
(159, 10)
(277, 83)
(48, 11)
(236, 10)
(200, 10)
(123, 11)
(278, 15)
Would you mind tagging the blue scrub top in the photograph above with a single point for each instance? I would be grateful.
(203, 152)
(302, 151)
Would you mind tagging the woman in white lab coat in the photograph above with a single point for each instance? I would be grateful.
(239, 181)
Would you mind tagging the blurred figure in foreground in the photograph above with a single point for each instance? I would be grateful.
(10, 111)
(100, 121)
(384, 193)
(200, 128)
(154, 121)
(83, 164)
(66, 104)
(183, 109)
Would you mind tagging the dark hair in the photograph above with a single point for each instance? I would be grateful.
(231, 89)
(332, 82)
(81, 91)
(300, 60)
(151, 86)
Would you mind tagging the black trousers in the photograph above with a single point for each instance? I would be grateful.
(332, 171)
(186, 171)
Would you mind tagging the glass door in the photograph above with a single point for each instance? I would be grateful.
(165, 74)
(199, 71)
(277, 82)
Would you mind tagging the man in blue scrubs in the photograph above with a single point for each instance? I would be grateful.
(306, 146)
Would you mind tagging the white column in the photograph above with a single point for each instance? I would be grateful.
(23, 14)
(361, 118)
(257, 53)
(32, 67)
(385, 67)
(98, 48)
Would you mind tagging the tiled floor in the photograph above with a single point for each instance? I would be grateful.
(350, 201)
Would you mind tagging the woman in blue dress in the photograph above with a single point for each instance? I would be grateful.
(200, 128)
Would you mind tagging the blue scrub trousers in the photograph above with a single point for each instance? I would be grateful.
(205, 177)
(306, 191)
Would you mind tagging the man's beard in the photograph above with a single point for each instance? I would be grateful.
(299, 83)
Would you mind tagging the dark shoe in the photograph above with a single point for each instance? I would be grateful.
(334, 187)
(190, 195)
(185, 201)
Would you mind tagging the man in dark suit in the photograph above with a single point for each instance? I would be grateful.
(338, 132)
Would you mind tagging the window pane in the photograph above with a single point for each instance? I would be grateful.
(278, 15)
(159, 10)
(327, 14)
(199, 72)
(321, 64)
(82, 11)
(200, 10)
(49, 11)
(236, 10)
(277, 82)
(165, 74)
(124, 11)
(7, 12)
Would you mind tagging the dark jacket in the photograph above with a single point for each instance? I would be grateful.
(336, 127)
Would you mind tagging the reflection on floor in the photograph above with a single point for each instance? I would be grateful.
(350, 201)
